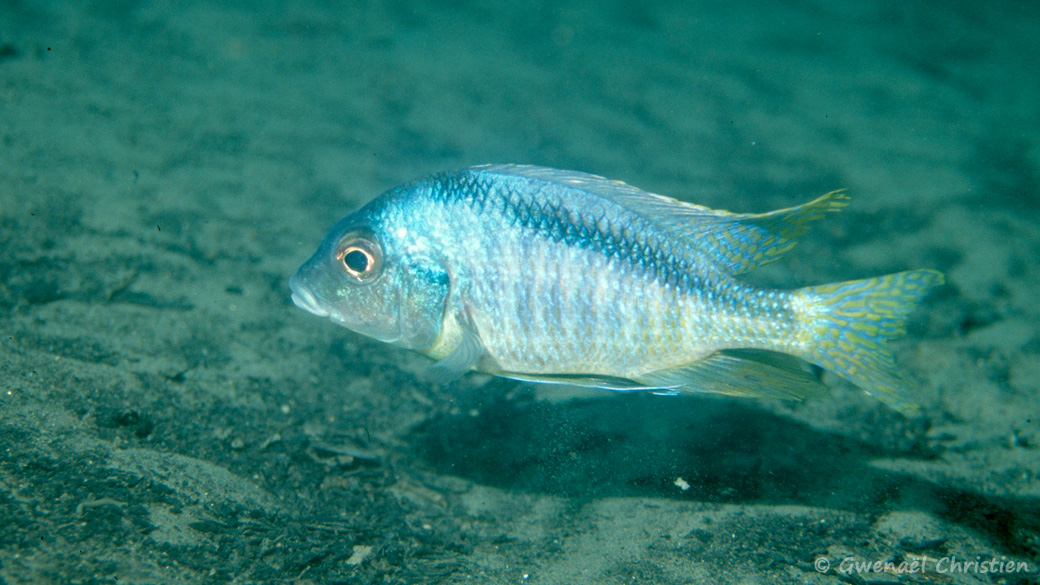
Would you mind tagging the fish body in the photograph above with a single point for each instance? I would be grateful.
(562, 277)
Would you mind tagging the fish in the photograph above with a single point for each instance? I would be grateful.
(562, 277)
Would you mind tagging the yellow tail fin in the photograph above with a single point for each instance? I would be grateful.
(854, 319)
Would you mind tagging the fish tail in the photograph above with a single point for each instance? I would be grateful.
(851, 322)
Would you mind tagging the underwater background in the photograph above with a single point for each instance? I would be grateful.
(167, 415)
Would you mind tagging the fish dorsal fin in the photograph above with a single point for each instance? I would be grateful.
(740, 242)
(734, 242)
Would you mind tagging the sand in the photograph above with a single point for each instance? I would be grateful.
(167, 415)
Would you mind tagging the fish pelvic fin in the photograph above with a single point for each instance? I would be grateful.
(585, 381)
(851, 322)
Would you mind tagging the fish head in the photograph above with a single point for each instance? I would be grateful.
(369, 276)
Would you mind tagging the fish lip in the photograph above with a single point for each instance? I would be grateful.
(304, 299)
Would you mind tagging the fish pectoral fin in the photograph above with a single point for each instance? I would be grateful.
(466, 355)
(741, 372)
(584, 380)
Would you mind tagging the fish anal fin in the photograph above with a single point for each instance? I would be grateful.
(749, 373)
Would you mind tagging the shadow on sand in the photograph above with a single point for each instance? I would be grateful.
(728, 451)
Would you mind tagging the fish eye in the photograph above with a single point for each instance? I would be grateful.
(360, 257)
(357, 260)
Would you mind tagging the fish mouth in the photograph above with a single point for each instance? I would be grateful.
(304, 299)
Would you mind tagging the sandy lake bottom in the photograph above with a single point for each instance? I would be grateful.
(167, 415)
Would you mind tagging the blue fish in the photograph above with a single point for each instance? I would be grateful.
(556, 276)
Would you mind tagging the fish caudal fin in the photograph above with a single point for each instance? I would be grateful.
(851, 322)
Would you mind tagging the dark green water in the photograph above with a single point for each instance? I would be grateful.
(167, 416)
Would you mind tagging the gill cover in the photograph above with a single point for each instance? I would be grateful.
(422, 296)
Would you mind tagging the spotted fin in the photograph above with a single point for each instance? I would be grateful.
(852, 322)
(742, 242)
(753, 373)
(736, 243)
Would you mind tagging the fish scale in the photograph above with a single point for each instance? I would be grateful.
(561, 277)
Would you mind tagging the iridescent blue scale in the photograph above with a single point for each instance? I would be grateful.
(556, 276)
